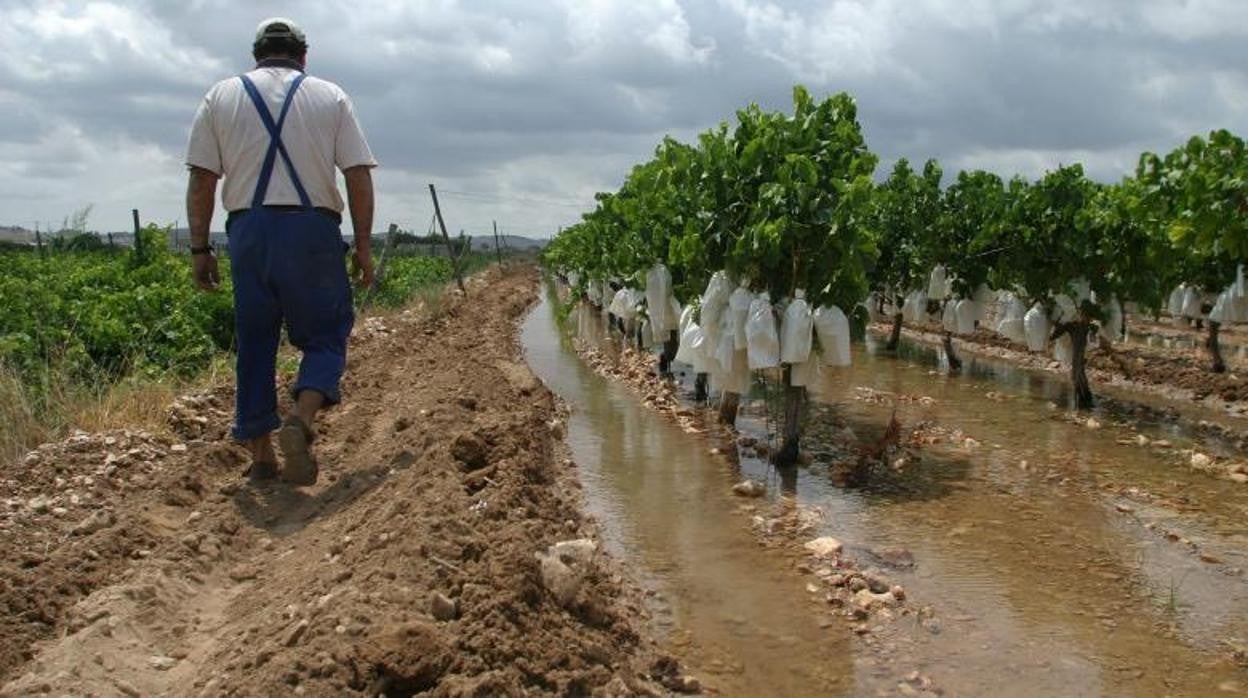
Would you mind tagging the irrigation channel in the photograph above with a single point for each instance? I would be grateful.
(1060, 556)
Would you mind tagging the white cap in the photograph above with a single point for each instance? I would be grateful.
(280, 28)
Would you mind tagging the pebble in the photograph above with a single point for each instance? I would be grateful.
(443, 608)
(749, 488)
(824, 546)
(1200, 460)
(161, 663)
(296, 633)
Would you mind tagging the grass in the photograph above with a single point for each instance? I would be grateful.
(60, 400)
(31, 414)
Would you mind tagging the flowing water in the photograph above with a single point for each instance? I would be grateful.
(1061, 558)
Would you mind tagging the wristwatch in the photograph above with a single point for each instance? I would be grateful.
(206, 249)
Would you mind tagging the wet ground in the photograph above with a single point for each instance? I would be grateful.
(1061, 556)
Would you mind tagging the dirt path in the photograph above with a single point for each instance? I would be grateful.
(143, 565)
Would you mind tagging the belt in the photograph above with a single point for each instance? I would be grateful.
(336, 216)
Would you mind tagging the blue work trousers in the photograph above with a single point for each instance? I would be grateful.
(288, 267)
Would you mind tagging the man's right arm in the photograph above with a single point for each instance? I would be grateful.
(360, 201)
(201, 191)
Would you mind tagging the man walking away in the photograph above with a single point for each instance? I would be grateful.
(276, 136)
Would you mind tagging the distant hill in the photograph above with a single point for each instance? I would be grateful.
(515, 243)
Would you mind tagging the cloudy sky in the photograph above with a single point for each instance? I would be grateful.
(519, 110)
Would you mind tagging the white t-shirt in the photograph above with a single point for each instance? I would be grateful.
(320, 132)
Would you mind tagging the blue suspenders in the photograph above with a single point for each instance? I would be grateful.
(275, 143)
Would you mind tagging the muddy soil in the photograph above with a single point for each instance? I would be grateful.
(1174, 373)
(139, 564)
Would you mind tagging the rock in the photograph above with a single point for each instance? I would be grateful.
(556, 428)
(687, 684)
(1210, 558)
(39, 505)
(243, 573)
(875, 582)
(442, 607)
(469, 451)
(97, 521)
(749, 488)
(825, 546)
(178, 448)
(560, 580)
(898, 592)
(295, 633)
(899, 558)
(1201, 461)
(161, 663)
(578, 552)
(1241, 478)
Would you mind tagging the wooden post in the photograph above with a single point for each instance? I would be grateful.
(138, 239)
(385, 255)
(497, 250)
(437, 212)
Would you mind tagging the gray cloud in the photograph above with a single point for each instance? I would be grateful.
(524, 109)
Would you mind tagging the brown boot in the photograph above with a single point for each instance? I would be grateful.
(261, 471)
(295, 438)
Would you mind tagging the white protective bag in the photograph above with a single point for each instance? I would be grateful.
(832, 326)
(1036, 327)
(938, 283)
(618, 302)
(738, 311)
(1219, 312)
(967, 313)
(689, 333)
(918, 309)
(1175, 305)
(1064, 309)
(658, 288)
(686, 317)
(762, 339)
(1013, 330)
(1111, 328)
(1191, 304)
(796, 328)
(725, 348)
(1064, 350)
(1011, 324)
(949, 317)
(715, 298)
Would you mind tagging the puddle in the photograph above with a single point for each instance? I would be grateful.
(1042, 542)
(732, 610)
(1056, 578)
